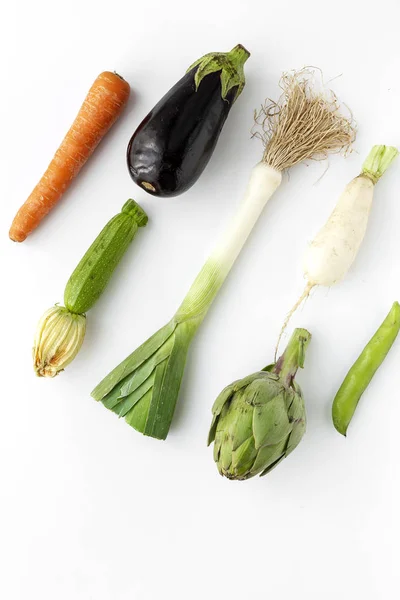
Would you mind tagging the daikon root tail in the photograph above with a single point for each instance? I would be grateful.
(303, 297)
(303, 124)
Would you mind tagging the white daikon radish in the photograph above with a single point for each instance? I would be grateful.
(333, 250)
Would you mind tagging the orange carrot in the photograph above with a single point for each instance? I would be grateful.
(101, 108)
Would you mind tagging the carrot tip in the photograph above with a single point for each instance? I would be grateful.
(16, 236)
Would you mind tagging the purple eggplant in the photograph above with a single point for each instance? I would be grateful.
(173, 144)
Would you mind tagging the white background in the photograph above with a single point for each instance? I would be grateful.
(90, 509)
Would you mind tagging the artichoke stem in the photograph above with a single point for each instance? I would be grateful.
(293, 356)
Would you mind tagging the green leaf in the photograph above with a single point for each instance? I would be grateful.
(267, 456)
(217, 446)
(296, 436)
(227, 394)
(242, 421)
(223, 397)
(145, 369)
(129, 401)
(137, 416)
(263, 390)
(296, 410)
(147, 383)
(270, 422)
(243, 458)
(218, 405)
(225, 453)
(246, 381)
(133, 361)
(167, 384)
(113, 397)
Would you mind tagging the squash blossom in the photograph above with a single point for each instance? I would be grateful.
(59, 337)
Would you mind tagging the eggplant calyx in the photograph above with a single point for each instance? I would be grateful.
(229, 63)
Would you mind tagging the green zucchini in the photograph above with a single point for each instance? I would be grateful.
(61, 331)
(94, 271)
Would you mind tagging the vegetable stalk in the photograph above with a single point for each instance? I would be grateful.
(144, 388)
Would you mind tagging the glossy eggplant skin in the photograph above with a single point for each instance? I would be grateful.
(173, 144)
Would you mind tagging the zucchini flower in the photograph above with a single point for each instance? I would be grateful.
(59, 337)
(259, 420)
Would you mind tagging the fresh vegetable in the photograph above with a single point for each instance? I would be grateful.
(144, 388)
(363, 370)
(93, 272)
(173, 144)
(259, 420)
(61, 330)
(59, 337)
(333, 250)
(100, 109)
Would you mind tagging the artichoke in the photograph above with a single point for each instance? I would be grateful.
(259, 420)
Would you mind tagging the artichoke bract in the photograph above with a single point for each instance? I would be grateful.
(259, 420)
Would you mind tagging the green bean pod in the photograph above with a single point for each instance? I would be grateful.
(361, 373)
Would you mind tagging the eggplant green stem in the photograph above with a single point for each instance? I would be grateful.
(229, 63)
(293, 357)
